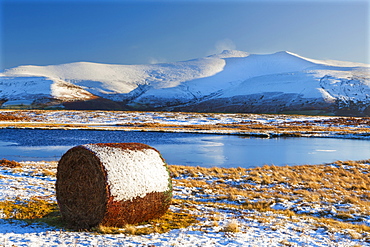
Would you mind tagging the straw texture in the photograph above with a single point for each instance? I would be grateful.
(112, 184)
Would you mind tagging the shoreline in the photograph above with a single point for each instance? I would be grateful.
(253, 125)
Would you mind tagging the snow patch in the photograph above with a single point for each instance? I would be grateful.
(67, 91)
(181, 84)
(24, 102)
(132, 173)
(326, 96)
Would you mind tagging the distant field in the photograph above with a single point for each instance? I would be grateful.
(263, 125)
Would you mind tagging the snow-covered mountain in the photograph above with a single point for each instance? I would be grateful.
(233, 81)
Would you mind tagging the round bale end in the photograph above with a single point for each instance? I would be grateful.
(112, 184)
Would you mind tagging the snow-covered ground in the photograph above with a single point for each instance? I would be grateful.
(215, 211)
(266, 125)
(177, 118)
(255, 228)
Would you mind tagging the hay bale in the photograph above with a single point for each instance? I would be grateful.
(112, 184)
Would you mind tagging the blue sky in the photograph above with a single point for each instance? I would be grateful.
(148, 31)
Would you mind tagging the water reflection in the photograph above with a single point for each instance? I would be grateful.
(195, 151)
(34, 153)
(232, 151)
(187, 149)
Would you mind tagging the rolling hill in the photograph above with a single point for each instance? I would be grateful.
(232, 81)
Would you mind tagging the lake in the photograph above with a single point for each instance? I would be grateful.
(205, 150)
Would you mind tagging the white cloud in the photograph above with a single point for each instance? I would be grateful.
(221, 45)
(154, 60)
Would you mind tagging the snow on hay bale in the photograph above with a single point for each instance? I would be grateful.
(112, 184)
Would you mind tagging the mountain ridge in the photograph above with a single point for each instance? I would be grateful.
(232, 81)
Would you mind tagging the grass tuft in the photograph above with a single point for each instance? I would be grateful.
(167, 222)
(10, 163)
(232, 226)
(33, 210)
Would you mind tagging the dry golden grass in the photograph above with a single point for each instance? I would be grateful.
(10, 163)
(47, 173)
(14, 116)
(167, 222)
(45, 169)
(39, 210)
(249, 193)
(107, 229)
(312, 183)
(245, 123)
(343, 182)
(34, 208)
(305, 177)
(232, 226)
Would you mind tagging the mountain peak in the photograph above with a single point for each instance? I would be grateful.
(287, 53)
(232, 81)
(230, 54)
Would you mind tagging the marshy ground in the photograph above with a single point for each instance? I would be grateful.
(263, 125)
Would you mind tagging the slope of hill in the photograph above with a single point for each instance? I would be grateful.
(232, 81)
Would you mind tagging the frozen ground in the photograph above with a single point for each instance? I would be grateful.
(255, 228)
(266, 125)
